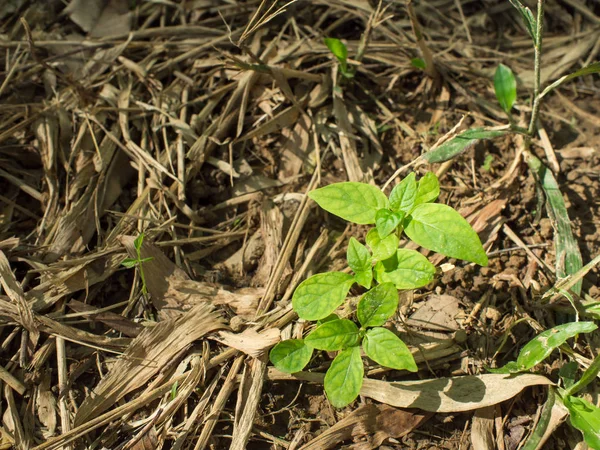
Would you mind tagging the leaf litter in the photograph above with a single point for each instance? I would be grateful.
(203, 125)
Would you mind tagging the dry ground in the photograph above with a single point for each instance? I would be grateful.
(203, 123)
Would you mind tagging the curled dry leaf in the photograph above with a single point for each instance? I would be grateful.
(249, 341)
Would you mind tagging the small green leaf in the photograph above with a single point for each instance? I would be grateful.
(387, 221)
(385, 348)
(585, 416)
(364, 278)
(528, 18)
(587, 70)
(410, 270)
(428, 189)
(333, 335)
(460, 144)
(382, 248)
(358, 256)
(418, 63)
(290, 356)
(505, 87)
(329, 318)
(339, 50)
(352, 201)
(129, 262)
(487, 163)
(344, 378)
(144, 260)
(402, 197)
(138, 241)
(567, 374)
(377, 305)
(588, 376)
(440, 228)
(319, 295)
(510, 367)
(540, 347)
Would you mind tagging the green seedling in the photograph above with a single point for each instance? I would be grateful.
(340, 51)
(138, 261)
(583, 415)
(505, 86)
(409, 210)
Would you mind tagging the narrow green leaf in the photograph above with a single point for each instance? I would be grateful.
(290, 356)
(588, 376)
(352, 201)
(333, 335)
(505, 86)
(174, 390)
(358, 256)
(387, 221)
(440, 228)
(428, 189)
(539, 431)
(339, 50)
(567, 374)
(510, 367)
(460, 144)
(540, 347)
(144, 260)
(344, 378)
(585, 416)
(385, 348)
(129, 262)
(319, 295)
(137, 244)
(402, 197)
(411, 270)
(568, 255)
(364, 278)
(382, 248)
(587, 70)
(528, 18)
(377, 305)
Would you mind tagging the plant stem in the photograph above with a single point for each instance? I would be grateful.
(427, 56)
(537, 67)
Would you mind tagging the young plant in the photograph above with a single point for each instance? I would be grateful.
(138, 261)
(409, 210)
(340, 51)
(583, 415)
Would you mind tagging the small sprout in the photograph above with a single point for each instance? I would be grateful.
(418, 63)
(505, 87)
(340, 51)
(138, 261)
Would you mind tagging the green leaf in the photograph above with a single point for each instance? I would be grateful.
(585, 416)
(385, 348)
(588, 376)
(290, 356)
(418, 63)
(144, 260)
(359, 258)
(567, 374)
(459, 144)
(505, 87)
(352, 201)
(382, 248)
(344, 378)
(129, 262)
(587, 70)
(487, 163)
(428, 189)
(387, 221)
(138, 241)
(377, 305)
(440, 228)
(402, 197)
(540, 347)
(510, 367)
(329, 318)
(319, 295)
(364, 278)
(527, 17)
(409, 270)
(333, 335)
(339, 50)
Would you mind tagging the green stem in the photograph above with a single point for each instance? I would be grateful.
(537, 67)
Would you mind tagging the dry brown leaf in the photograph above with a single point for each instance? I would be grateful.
(250, 341)
(439, 312)
(148, 353)
(381, 421)
(45, 404)
(482, 429)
